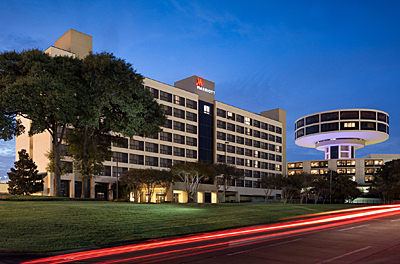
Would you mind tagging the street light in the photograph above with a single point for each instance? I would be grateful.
(226, 146)
(115, 159)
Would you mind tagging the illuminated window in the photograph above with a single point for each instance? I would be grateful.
(230, 115)
(247, 120)
(206, 109)
(291, 172)
(314, 171)
(290, 165)
(255, 164)
(278, 167)
(350, 124)
(378, 162)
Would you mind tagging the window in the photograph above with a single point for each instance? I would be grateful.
(167, 110)
(179, 126)
(220, 147)
(106, 171)
(248, 173)
(179, 100)
(151, 147)
(271, 166)
(191, 129)
(248, 131)
(221, 124)
(151, 161)
(166, 136)
(382, 127)
(278, 158)
(346, 163)
(230, 138)
(278, 139)
(248, 184)
(179, 113)
(179, 139)
(271, 156)
(191, 104)
(136, 159)
(256, 123)
(300, 133)
(300, 123)
(349, 115)
(239, 161)
(368, 126)
(239, 140)
(192, 154)
(264, 136)
(247, 120)
(271, 138)
(271, 128)
(312, 129)
(256, 174)
(165, 149)
(264, 145)
(120, 171)
(180, 152)
(165, 96)
(239, 151)
(230, 115)
(256, 134)
(230, 127)
(168, 124)
(240, 129)
(256, 154)
(190, 141)
(240, 118)
(249, 142)
(329, 116)
(278, 149)
(137, 145)
(153, 91)
(221, 158)
(278, 130)
(221, 113)
(221, 135)
(230, 149)
(165, 163)
(122, 143)
(368, 115)
(191, 116)
(230, 160)
(248, 163)
(349, 125)
(256, 143)
(249, 152)
(330, 127)
(381, 117)
(264, 165)
(206, 109)
(122, 157)
(271, 147)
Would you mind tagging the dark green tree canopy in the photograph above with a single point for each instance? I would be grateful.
(24, 179)
(387, 181)
(100, 94)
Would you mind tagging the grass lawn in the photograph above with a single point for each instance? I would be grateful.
(44, 226)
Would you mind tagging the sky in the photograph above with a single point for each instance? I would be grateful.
(300, 56)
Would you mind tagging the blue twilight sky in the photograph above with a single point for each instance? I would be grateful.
(301, 56)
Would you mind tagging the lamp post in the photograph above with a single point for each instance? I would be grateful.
(115, 159)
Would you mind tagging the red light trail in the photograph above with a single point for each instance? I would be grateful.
(228, 238)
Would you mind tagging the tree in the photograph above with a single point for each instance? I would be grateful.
(387, 181)
(192, 174)
(344, 187)
(100, 94)
(270, 183)
(147, 179)
(116, 104)
(41, 88)
(224, 175)
(321, 188)
(24, 179)
(296, 186)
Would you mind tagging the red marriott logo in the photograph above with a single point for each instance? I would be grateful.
(199, 82)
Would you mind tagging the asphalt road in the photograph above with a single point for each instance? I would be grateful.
(366, 236)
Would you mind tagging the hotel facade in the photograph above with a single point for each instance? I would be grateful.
(198, 128)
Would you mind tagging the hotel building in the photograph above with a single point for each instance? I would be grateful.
(338, 133)
(198, 129)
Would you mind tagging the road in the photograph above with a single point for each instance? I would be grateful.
(360, 235)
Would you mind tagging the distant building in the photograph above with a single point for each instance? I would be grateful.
(198, 129)
(338, 133)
